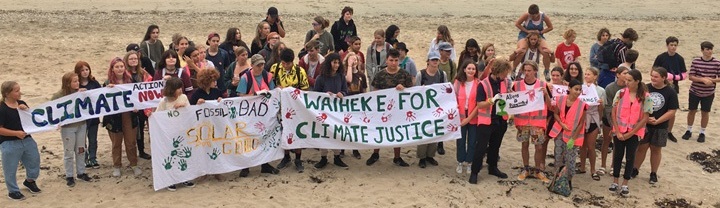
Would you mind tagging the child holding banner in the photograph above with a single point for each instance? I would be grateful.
(121, 127)
(569, 129)
(391, 77)
(331, 81)
(429, 76)
(355, 77)
(16, 146)
(531, 126)
(466, 84)
(73, 135)
(631, 109)
(594, 113)
(88, 82)
(491, 127)
(138, 74)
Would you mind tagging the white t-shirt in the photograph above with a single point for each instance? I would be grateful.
(167, 105)
(468, 88)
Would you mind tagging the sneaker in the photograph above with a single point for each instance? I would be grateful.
(172, 188)
(84, 177)
(432, 161)
(144, 156)
(701, 138)
(653, 178)
(671, 137)
(266, 168)
(459, 168)
(189, 184)
(440, 148)
(635, 173)
(540, 175)
(338, 162)
(137, 171)
(284, 162)
(546, 73)
(524, 174)
(116, 172)
(70, 181)
(323, 162)
(613, 187)
(473, 178)
(496, 172)
(356, 154)
(32, 186)
(624, 191)
(299, 166)
(469, 168)
(687, 135)
(422, 163)
(373, 158)
(400, 162)
(95, 164)
(342, 153)
(245, 172)
(88, 164)
(17, 196)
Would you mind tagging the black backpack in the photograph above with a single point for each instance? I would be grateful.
(251, 80)
(606, 54)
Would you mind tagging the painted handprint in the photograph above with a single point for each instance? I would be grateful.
(216, 152)
(290, 138)
(173, 153)
(295, 93)
(347, 118)
(391, 104)
(183, 165)
(233, 112)
(186, 152)
(321, 117)
(451, 114)
(260, 126)
(438, 112)
(447, 88)
(177, 141)
(365, 118)
(452, 127)
(167, 163)
(290, 113)
(385, 117)
(410, 116)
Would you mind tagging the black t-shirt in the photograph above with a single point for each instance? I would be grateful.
(147, 64)
(10, 119)
(92, 84)
(482, 96)
(663, 100)
(674, 64)
(214, 94)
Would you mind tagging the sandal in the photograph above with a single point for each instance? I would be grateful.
(600, 171)
(578, 171)
(595, 176)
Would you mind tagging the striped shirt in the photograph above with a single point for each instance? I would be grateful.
(705, 69)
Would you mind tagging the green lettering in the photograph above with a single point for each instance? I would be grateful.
(425, 123)
(113, 96)
(309, 104)
(63, 106)
(298, 132)
(364, 134)
(402, 101)
(84, 104)
(338, 132)
(326, 104)
(325, 130)
(313, 133)
(101, 103)
(380, 103)
(414, 99)
(439, 128)
(126, 99)
(365, 103)
(380, 130)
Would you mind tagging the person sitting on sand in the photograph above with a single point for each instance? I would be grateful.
(537, 22)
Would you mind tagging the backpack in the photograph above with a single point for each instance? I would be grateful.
(606, 54)
(251, 79)
(277, 67)
(424, 75)
(560, 183)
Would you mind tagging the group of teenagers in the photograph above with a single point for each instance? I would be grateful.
(633, 116)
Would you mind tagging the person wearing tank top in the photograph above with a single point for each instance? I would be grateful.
(535, 22)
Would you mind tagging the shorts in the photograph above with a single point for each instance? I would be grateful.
(656, 137)
(525, 133)
(705, 102)
(606, 122)
(591, 127)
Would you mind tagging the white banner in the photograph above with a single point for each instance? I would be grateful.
(520, 102)
(214, 138)
(589, 94)
(89, 104)
(379, 119)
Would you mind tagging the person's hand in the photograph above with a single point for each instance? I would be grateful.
(316, 36)
(178, 105)
(627, 136)
(620, 137)
(565, 127)
(235, 47)
(149, 113)
(533, 31)
(464, 122)
(400, 87)
(489, 65)
(200, 101)
(652, 121)
(339, 94)
(519, 51)
(708, 81)
(187, 60)
(111, 85)
(23, 107)
(135, 110)
(82, 89)
(166, 77)
(219, 99)
(235, 81)
(20, 134)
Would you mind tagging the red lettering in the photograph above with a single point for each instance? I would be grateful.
(150, 95)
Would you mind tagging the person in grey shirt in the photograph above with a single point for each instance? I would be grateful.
(406, 63)
(610, 91)
(431, 75)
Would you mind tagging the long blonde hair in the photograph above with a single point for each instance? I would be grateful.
(65, 88)
(6, 88)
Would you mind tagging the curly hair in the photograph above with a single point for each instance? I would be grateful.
(206, 77)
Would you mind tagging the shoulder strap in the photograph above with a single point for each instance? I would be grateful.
(250, 80)
(442, 75)
(297, 74)
(423, 76)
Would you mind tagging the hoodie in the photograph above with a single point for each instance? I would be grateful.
(342, 32)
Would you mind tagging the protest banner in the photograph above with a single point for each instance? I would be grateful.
(89, 104)
(379, 119)
(589, 94)
(520, 102)
(214, 138)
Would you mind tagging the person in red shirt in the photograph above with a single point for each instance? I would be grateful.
(567, 51)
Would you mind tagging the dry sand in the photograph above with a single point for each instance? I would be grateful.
(45, 38)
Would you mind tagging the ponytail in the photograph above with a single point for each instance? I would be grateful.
(663, 73)
(641, 88)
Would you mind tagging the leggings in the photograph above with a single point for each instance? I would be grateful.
(628, 146)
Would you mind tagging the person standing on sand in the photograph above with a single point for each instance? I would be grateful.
(568, 132)
(355, 46)
(16, 145)
(233, 40)
(531, 125)
(219, 57)
(376, 55)
(617, 48)
(88, 82)
(631, 109)
(261, 34)
(491, 126)
(391, 35)
(466, 84)
(170, 67)
(602, 36)
(674, 64)
(318, 33)
(312, 61)
(593, 121)
(274, 21)
(356, 81)
(443, 35)
(390, 77)
(431, 75)
(138, 75)
(567, 51)
(180, 45)
(472, 51)
(235, 70)
(535, 21)
(610, 92)
(72, 135)
(122, 126)
(488, 52)
(343, 29)
(151, 46)
(406, 63)
(331, 81)
(704, 74)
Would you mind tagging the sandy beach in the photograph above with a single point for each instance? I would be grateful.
(45, 38)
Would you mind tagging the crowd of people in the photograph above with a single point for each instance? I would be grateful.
(632, 116)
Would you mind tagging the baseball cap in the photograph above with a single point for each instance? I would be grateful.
(433, 55)
(272, 11)
(402, 46)
(210, 36)
(257, 59)
(445, 46)
(132, 47)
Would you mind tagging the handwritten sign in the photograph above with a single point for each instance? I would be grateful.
(520, 102)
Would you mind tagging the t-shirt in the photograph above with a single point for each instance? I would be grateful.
(214, 94)
(153, 51)
(385, 80)
(663, 100)
(182, 74)
(468, 89)
(703, 68)
(674, 64)
(438, 77)
(333, 84)
(647, 105)
(326, 41)
(610, 91)
(566, 53)
(167, 105)
(449, 68)
(289, 78)
(482, 96)
(359, 83)
(10, 119)
(409, 66)
(242, 85)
